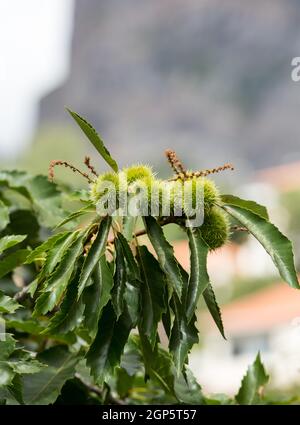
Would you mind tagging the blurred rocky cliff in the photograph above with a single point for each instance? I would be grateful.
(210, 78)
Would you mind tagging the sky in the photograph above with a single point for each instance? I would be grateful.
(35, 37)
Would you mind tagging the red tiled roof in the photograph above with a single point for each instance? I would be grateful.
(283, 177)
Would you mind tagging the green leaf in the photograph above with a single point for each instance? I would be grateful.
(96, 251)
(7, 347)
(4, 215)
(252, 383)
(165, 254)
(46, 246)
(8, 304)
(105, 352)
(33, 327)
(94, 138)
(9, 241)
(212, 305)
(132, 302)
(132, 268)
(158, 364)
(246, 205)
(24, 222)
(275, 243)
(45, 386)
(124, 383)
(187, 389)
(87, 209)
(70, 314)
(16, 390)
(13, 260)
(160, 367)
(43, 196)
(60, 278)
(28, 366)
(131, 360)
(29, 326)
(97, 295)
(32, 287)
(117, 295)
(57, 252)
(6, 374)
(184, 335)
(46, 199)
(199, 279)
(152, 294)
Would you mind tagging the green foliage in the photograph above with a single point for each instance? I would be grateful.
(275, 243)
(198, 279)
(252, 385)
(94, 138)
(7, 304)
(165, 254)
(93, 301)
(45, 386)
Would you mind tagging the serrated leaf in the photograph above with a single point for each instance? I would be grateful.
(8, 241)
(44, 387)
(42, 195)
(105, 352)
(212, 305)
(8, 304)
(152, 294)
(252, 383)
(46, 199)
(29, 326)
(96, 251)
(13, 260)
(4, 215)
(57, 252)
(26, 367)
(97, 295)
(165, 254)
(37, 253)
(246, 205)
(60, 279)
(117, 294)
(94, 138)
(132, 267)
(187, 389)
(7, 347)
(275, 243)
(70, 314)
(184, 335)
(6, 374)
(33, 327)
(199, 279)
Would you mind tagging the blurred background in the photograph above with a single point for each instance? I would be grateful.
(210, 79)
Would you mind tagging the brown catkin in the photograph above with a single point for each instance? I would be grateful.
(175, 162)
(87, 162)
(57, 162)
